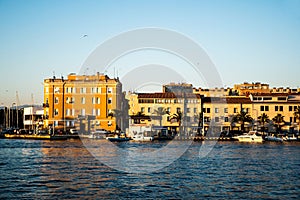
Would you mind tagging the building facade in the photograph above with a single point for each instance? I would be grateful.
(86, 101)
(217, 107)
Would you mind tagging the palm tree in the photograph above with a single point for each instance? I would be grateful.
(242, 118)
(279, 121)
(263, 119)
(178, 117)
(297, 116)
(160, 111)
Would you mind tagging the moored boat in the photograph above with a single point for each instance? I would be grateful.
(273, 139)
(141, 138)
(251, 136)
(117, 138)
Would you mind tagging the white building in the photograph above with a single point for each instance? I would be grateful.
(33, 117)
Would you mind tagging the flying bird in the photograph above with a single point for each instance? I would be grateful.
(85, 35)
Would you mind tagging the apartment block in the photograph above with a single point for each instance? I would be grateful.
(85, 101)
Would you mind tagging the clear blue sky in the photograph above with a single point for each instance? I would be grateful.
(247, 40)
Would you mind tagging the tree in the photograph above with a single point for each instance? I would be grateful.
(178, 117)
(242, 118)
(297, 116)
(160, 111)
(279, 122)
(263, 119)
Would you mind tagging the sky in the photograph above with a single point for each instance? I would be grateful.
(249, 40)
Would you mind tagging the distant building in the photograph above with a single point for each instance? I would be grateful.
(87, 101)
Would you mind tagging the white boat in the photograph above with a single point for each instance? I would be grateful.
(273, 139)
(290, 139)
(141, 138)
(251, 136)
(118, 138)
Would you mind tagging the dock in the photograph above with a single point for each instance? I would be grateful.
(35, 137)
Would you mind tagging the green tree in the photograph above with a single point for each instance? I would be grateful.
(242, 118)
(297, 115)
(279, 122)
(263, 119)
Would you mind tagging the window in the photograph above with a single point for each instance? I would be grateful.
(264, 108)
(98, 112)
(206, 119)
(235, 110)
(56, 90)
(67, 112)
(195, 110)
(109, 90)
(109, 101)
(94, 111)
(169, 109)
(82, 90)
(47, 90)
(56, 100)
(217, 119)
(188, 110)
(290, 108)
(93, 100)
(142, 109)
(55, 111)
(226, 119)
(83, 112)
(216, 110)
(225, 110)
(279, 108)
(178, 110)
(188, 119)
(208, 110)
(291, 119)
(73, 112)
(83, 100)
(149, 110)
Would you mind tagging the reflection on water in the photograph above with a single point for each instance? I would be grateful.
(66, 169)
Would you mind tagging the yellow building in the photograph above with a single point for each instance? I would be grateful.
(161, 109)
(277, 103)
(87, 101)
(219, 111)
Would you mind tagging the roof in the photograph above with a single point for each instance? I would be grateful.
(273, 94)
(169, 95)
(226, 100)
